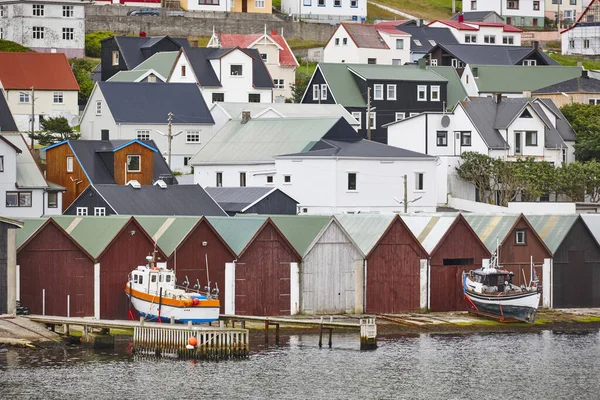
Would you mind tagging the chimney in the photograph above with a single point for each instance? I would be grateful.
(535, 44)
(475, 72)
(422, 62)
(245, 116)
(498, 98)
(585, 74)
(461, 18)
(142, 34)
(274, 32)
(580, 64)
(526, 93)
(419, 22)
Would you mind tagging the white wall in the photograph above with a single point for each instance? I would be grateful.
(311, 7)
(44, 105)
(541, 208)
(499, 6)
(288, 74)
(256, 174)
(224, 5)
(481, 33)
(578, 35)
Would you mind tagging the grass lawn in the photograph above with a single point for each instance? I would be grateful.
(276, 4)
(426, 9)
(374, 12)
(305, 70)
(296, 44)
(572, 61)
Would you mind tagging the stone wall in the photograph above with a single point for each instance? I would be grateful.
(114, 18)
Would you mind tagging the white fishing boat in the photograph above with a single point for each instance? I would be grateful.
(489, 291)
(153, 293)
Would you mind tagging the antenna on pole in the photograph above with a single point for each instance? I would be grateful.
(169, 136)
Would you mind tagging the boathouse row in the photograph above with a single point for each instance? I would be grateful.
(282, 265)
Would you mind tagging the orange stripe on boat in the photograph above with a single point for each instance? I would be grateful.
(151, 298)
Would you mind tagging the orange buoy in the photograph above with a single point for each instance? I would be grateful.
(192, 341)
(195, 301)
(188, 302)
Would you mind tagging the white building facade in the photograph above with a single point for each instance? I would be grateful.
(526, 13)
(583, 38)
(469, 32)
(334, 10)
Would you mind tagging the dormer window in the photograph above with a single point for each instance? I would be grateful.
(417, 42)
(236, 70)
(134, 163)
(526, 114)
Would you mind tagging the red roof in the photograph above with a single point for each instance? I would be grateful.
(286, 57)
(43, 71)
(392, 30)
(390, 23)
(468, 25)
(461, 26)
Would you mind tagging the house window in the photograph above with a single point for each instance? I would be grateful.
(421, 93)
(1, 33)
(465, 138)
(396, 61)
(470, 38)
(351, 180)
(259, 4)
(218, 97)
(186, 161)
(316, 92)
(536, 5)
(512, 4)
(586, 43)
(571, 44)
(18, 199)
(323, 91)
(52, 200)
(38, 10)
(489, 39)
(67, 11)
(337, 3)
(378, 92)
(357, 116)
(435, 93)
(573, 2)
(82, 211)
(473, 5)
(534, 21)
(419, 181)
(399, 116)
(99, 211)
(242, 179)
(115, 58)
(345, 41)
(279, 83)
(1, 163)
(337, 41)
(219, 176)
(134, 163)
(399, 44)
(564, 155)
(417, 42)
(442, 138)
(353, 3)
(68, 33)
(508, 40)
(287, 179)
(38, 32)
(433, 62)
(391, 92)
(530, 63)
(192, 136)
(371, 61)
(236, 70)
(321, 3)
(457, 63)
(520, 237)
(373, 118)
(269, 178)
(531, 138)
(518, 141)
(431, 42)
(69, 164)
(183, 71)
(58, 98)
(508, 21)
(594, 101)
(1, 11)
(23, 97)
(307, 3)
(99, 107)
(143, 134)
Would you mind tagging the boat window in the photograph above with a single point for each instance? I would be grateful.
(168, 278)
(153, 279)
(141, 279)
(135, 279)
(160, 278)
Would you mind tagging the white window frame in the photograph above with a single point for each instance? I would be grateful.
(399, 116)
(37, 10)
(243, 179)
(470, 38)
(391, 95)
(287, 176)
(1, 33)
(508, 40)
(142, 134)
(68, 11)
(69, 164)
(323, 91)
(24, 98)
(337, 3)
(259, 3)
(490, 39)
(444, 141)
(520, 237)
(358, 116)
(421, 89)
(38, 32)
(316, 91)
(68, 33)
(353, 3)
(98, 107)
(355, 181)
(82, 211)
(401, 42)
(373, 120)
(530, 63)
(236, 74)
(270, 180)
(337, 41)
(413, 114)
(115, 58)
(345, 41)
(219, 179)
(58, 98)
(433, 62)
(531, 135)
(192, 136)
(436, 90)
(586, 43)
(279, 83)
(100, 211)
(378, 91)
(419, 188)
(129, 157)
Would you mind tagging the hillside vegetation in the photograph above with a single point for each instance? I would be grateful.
(573, 60)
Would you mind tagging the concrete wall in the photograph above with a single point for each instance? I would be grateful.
(199, 24)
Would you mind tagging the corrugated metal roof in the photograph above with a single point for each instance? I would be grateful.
(237, 232)
(429, 229)
(456, 91)
(396, 73)
(342, 85)
(167, 232)
(552, 228)
(300, 230)
(30, 226)
(491, 229)
(126, 76)
(92, 233)
(28, 172)
(517, 78)
(365, 230)
(593, 223)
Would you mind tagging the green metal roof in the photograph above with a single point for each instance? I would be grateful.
(237, 232)
(491, 229)
(168, 232)
(456, 90)
(342, 85)
(161, 62)
(395, 72)
(300, 230)
(126, 76)
(365, 230)
(29, 174)
(517, 78)
(30, 226)
(552, 228)
(260, 140)
(92, 233)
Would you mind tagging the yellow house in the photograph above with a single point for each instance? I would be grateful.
(245, 6)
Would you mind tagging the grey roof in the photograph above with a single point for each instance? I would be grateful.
(575, 85)
(153, 200)
(131, 47)
(562, 125)
(479, 16)
(357, 149)
(199, 58)
(29, 174)
(238, 199)
(493, 54)
(150, 103)
(7, 122)
(426, 33)
(96, 158)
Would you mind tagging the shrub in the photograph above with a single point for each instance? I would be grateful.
(93, 48)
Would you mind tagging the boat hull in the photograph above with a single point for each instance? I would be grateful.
(520, 307)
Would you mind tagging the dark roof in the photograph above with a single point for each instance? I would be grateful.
(153, 200)
(150, 103)
(365, 36)
(237, 199)
(199, 58)
(479, 16)
(493, 54)
(575, 85)
(7, 122)
(426, 33)
(361, 148)
(96, 158)
(562, 125)
(131, 47)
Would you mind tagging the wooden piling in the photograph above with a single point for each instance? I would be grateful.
(368, 334)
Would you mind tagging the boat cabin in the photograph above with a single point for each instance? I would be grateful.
(150, 279)
(493, 281)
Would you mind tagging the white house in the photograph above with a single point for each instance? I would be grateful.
(570, 10)
(332, 10)
(48, 26)
(126, 110)
(38, 84)
(474, 32)
(583, 38)
(507, 128)
(367, 44)
(225, 74)
(275, 53)
(527, 13)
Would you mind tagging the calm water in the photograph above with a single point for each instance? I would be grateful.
(546, 365)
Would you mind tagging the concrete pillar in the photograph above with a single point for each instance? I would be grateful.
(97, 290)
(230, 288)
(11, 271)
(294, 289)
(424, 284)
(547, 283)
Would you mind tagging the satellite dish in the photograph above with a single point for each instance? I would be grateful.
(445, 121)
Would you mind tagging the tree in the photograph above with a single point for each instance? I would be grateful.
(82, 69)
(477, 169)
(8, 46)
(299, 87)
(536, 178)
(93, 47)
(505, 180)
(585, 120)
(571, 181)
(54, 130)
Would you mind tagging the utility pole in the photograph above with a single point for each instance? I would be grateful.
(558, 16)
(453, 7)
(169, 136)
(369, 113)
(32, 114)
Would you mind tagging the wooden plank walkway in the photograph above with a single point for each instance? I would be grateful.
(325, 322)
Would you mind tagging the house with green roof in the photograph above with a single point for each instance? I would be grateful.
(156, 68)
